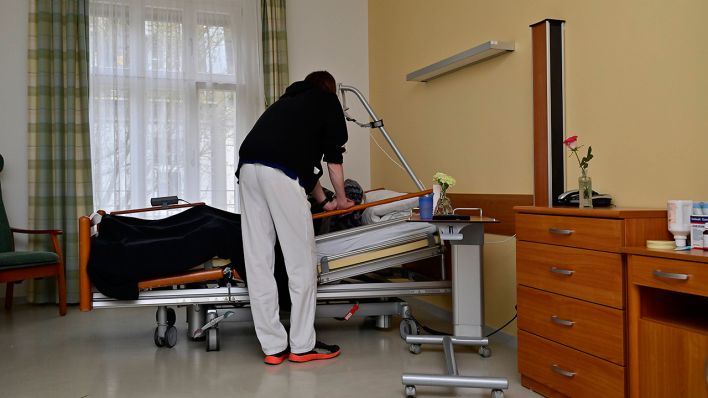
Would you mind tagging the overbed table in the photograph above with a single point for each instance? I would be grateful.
(466, 238)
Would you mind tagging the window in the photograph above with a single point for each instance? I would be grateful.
(175, 86)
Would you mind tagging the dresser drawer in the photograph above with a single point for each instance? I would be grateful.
(583, 274)
(583, 232)
(676, 275)
(568, 371)
(591, 328)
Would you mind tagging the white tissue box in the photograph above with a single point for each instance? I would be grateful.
(698, 224)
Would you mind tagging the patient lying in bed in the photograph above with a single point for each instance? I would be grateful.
(129, 250)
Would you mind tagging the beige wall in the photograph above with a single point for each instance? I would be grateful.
(636, 90)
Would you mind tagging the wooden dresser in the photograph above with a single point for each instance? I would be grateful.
(668, 323)
(571, 274)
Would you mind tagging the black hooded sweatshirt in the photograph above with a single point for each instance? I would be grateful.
(302, 128)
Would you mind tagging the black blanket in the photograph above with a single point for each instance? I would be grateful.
(128, 250)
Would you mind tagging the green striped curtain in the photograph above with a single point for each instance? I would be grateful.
(58, 147)
(275, 49)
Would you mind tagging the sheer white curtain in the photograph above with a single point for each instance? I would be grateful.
(175, 86)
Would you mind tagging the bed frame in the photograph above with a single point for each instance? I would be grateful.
(207, 306)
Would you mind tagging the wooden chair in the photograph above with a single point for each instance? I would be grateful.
(16, 266)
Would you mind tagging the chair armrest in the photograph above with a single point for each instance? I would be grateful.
(37, 231)
(53, 234)
(370, 204)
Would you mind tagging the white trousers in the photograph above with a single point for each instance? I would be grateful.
(273, 203)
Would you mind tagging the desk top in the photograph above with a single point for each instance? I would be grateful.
(598, 212)
(472, 220)
(695, 255)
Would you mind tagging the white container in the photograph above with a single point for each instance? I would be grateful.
(679, 215)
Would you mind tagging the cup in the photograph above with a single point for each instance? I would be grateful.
(425, 206)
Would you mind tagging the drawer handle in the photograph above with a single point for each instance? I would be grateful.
(561, 321)
(670, 275)
(562, 371)
(558, 231)
(567, 272)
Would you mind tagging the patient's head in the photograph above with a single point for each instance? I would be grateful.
(323, 80)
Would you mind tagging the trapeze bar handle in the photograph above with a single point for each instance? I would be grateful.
(378, 123)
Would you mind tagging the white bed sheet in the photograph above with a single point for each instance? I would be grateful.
(366, 239)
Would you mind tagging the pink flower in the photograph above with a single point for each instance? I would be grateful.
(571, 142)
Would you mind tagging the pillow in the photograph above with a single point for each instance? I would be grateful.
(388, 211)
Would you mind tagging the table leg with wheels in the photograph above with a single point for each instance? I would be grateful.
(466, 239)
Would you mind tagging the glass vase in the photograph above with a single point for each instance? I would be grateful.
(444, 206)
(585, 191)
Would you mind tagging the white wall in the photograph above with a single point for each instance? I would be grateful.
(13, 109)
(13, 115)
(333, 35)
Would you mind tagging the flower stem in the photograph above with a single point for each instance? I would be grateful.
(579, 162)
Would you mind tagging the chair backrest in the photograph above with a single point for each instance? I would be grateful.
(6, 239)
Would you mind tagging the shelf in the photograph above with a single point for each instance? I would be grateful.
(480, 53)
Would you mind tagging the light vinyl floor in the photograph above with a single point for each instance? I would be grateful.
(110, 353)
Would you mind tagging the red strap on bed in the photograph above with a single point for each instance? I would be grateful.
(352, 311)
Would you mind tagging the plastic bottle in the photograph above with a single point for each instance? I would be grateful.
(679, 215)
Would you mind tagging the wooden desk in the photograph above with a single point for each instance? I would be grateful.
(668, 323)
(570, 274)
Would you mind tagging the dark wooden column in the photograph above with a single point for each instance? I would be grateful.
(547, 38)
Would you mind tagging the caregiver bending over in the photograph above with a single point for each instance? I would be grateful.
(279, 163)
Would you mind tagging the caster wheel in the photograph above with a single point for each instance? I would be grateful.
(171, 316)
(159, 341)
(408, 327)
(170, 337)
(497, 394)
(485, 352)
(212, 340)
(414, 348)
(410, 391)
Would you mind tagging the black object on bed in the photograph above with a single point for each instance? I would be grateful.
(128, 250)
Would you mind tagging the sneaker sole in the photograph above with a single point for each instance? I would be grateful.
(273, 360)
(311, 357)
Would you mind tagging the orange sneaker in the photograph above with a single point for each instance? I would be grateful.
(321, 351)
(277, 359)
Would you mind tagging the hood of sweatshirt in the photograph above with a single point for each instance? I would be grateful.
(297, 88)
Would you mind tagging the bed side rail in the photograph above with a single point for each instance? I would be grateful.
(371, 204)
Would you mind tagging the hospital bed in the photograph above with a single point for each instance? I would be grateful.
(348, 284)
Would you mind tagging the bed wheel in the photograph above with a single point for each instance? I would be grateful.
(171, 316)
(410, 391)
(414, 348)
(497, 393)
(485, 352)
(170, 336)
(408, 327)
(212, 339)
(158, 340)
